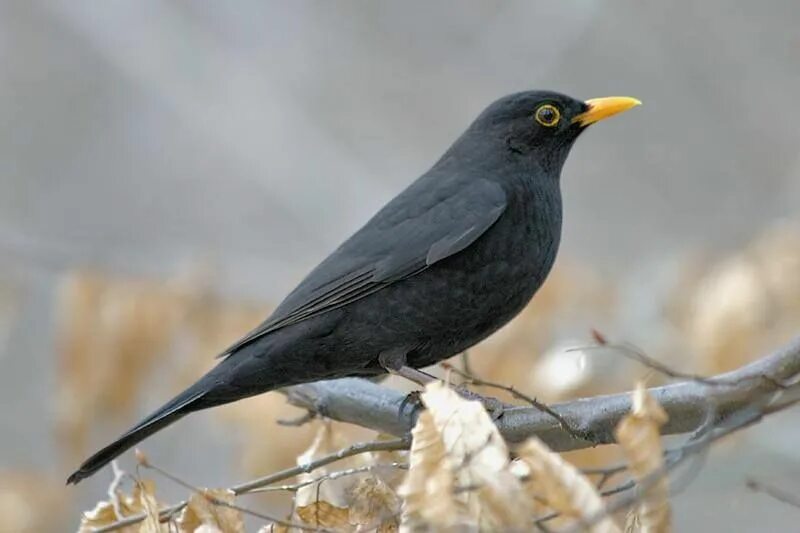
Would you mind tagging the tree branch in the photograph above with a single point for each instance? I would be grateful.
(762, 387)
(782, 495)
(367, 404)
(253, 485)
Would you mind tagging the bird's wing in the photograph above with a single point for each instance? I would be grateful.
(408, 235)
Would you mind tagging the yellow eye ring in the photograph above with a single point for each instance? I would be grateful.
(547, 115)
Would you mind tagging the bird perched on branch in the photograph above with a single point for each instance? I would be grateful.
(444, 264)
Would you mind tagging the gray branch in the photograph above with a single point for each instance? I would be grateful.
(762, 387)
(689, 404)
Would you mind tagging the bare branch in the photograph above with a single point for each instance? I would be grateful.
(305, 418)
(367, 404)
(633, 353)
(294, 487)
(243, 488)
(774, 492)
(146, 463)
(355, 449)
(737, 421)
(695, 405)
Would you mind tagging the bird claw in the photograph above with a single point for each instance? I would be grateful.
(494, 407)
(414, 400)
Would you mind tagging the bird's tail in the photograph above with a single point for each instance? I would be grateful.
(192, 399)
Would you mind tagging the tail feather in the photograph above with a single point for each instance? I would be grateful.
(183, 404)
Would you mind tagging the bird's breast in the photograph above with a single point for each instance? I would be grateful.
(464, 298)
(473, 293)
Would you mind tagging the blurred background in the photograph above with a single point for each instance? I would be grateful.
(168, 172)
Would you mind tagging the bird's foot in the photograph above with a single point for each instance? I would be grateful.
(493, 406)
(413, 400)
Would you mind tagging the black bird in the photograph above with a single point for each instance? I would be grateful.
(443, 265)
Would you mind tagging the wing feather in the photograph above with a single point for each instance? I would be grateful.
(403, 239)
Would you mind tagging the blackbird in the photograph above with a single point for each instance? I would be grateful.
(443, 265)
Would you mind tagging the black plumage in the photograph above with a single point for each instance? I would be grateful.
(443, 265)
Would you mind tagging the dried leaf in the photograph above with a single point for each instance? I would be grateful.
(205, 528)
(632, 522)
(323, 514)
(273, 528)
(640, 438)
(201, 511)
(491, 497)
(147, 500)
(335, 492)
(142, 500)
(363, 498)
(373, 503)
(428, 488)
(103, 514)
(391, 476)
(563, 487)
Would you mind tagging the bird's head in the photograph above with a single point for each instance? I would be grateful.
(541, 126)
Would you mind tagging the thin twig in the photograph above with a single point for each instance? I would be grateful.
(779, 494)
(746, 417)
(697, 443)
(520, 396)
(243, 488)
(606, 474)
(687, 403)
(634, 353)
(146, 463)
(466, 364)
(119, 477)
(163, 514)
(305, 418)
(361, 402)
(330, 477)
(355, 449)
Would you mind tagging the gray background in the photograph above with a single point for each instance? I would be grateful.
(142, 136)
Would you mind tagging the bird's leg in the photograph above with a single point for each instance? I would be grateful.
(394, 361)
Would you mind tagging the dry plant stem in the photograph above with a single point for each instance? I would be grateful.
(604, 474)
(779, 494)
(466, 364)
(221, 503)
(243, 488)
(119, 477)
(303, 419)
(329, 477)
(366, 404)
(635, 354)
(355, 449)
(164, 514)
(774, 378)
(697, 443)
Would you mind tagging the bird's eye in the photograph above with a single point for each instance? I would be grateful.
(548, 115)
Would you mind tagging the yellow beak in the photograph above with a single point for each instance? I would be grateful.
(600, 108)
